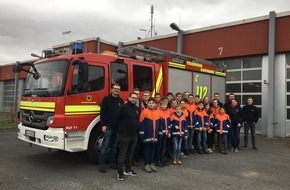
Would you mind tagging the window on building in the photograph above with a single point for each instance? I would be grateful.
(252, 87)
(234, 76)
(252, 75)
(288, 113)
(142, 77)
(8, 95)
(119, 74)
(288, 84)
(252, 62)
(244, 78)
(235, 87)
(233, 63)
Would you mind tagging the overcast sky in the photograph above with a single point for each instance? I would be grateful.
(28, 26)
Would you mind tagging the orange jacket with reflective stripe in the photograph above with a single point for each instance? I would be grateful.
(149, 125)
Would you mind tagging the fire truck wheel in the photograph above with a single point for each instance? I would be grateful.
(92, 152)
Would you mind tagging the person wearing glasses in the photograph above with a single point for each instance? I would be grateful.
(127, 121)
(109, 106)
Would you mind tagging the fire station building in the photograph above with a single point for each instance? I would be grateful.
(255, 52)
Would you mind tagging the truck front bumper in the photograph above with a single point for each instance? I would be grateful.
(51, 138)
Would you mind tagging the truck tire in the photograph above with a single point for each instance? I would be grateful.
(93, 150)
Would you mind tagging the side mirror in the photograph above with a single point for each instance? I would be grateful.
(17, 68)
(36, 75)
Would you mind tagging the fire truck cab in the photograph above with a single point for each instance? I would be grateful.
(60, 103)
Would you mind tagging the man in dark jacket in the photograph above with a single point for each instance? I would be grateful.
(109, 106)
(126, 121)
(251, 114)
(237, 118)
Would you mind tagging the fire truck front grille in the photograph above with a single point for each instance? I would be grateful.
(35, 119)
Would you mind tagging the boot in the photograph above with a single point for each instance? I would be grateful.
(213, 147)
(174, 161)
(178, 161)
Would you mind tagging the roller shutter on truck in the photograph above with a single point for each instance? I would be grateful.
(197, 83)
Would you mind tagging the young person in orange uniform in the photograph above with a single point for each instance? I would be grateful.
(222, 125)
(173, 105)
(191, 107)
(157, 99)
(215, 108)
(178, 130)
(185, 112)
(201, 126)
(163, 133)
(149, 129)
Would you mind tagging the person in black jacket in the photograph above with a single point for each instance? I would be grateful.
(109, 106)
(127, 121)
(251, 118)
(237, 118)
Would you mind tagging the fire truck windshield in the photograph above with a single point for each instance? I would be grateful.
(52, 80)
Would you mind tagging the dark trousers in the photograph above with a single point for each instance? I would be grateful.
(138, 150)
(222, 139)
(148, 153)
(127, 145)
(251, 127)
(160, 148)
(211, 139)
(168, 149)
(235, 135)
(229, 137)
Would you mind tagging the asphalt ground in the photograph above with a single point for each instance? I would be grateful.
(24, 167)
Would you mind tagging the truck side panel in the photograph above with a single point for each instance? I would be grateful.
(179, 80)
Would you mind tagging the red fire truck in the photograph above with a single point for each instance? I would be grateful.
(60, 103)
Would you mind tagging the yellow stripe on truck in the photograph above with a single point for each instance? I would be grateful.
(82, 109)
(37, 106)
(177, 65)
(158, 82)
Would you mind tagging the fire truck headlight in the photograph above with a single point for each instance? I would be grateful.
(50, 138)
(49, 120)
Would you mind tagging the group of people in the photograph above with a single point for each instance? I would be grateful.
(160, 129)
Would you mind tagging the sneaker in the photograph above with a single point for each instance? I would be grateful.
(209, 150)
(147, 168)
(183, 155)
(179, 161)
(236, 150)
(174, 162)
(120, 177)
(205, 151)
(255, 148)
(232, 149)
(153, 168)
(102, 170)
(130, 173)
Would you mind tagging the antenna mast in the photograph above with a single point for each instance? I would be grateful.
(152, 12)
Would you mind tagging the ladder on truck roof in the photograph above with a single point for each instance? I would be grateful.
(153, 54)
